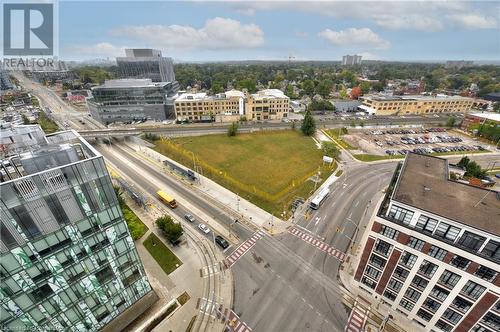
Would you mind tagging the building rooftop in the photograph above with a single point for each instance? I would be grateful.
(203, 96)
(439, 97)
(30, 151)
(423, 183)
(488, 116)
(269, 93)
(130, 83)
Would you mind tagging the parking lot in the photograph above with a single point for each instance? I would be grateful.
(419, 140)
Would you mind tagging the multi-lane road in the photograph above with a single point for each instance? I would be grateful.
(282, 283)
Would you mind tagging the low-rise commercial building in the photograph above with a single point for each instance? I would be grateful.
(128, 100)
(417, 104)
(67, 259)
(269, 104)
(232, 105)
(432, 252)
(196, 107)
(475, 119)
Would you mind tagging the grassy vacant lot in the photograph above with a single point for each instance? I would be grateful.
(268, 168)
(48, 126)
(162, 255)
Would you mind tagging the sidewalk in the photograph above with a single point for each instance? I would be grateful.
(231, 202)
(378, 310)
(186, 278)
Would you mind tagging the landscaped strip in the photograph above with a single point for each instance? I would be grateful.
(162, 255)
(136, 227)
(336, 134)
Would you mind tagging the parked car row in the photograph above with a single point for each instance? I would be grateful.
(406, 131)
(436, 149)
(430, 139)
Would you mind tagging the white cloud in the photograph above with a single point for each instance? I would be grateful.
(217, 33)
(409, 15)
(408, 22)
(97, 50)
(474, 21)
(355, 37)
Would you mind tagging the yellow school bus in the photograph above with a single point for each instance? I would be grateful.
(165, 198)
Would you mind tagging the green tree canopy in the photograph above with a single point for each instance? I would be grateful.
(308, 124)
(330, 149)
(172, 230)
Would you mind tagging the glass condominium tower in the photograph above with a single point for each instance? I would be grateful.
(68, 262)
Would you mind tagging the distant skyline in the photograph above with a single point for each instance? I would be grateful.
(198, 31)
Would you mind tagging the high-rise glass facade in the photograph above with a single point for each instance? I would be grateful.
(68, 261)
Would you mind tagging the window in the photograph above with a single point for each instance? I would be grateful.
(368, 282)
(395, 285)
(382, 247)
(460, 262)
(406, 304)
(491, 320)
(449, 279)
(426, 224)
(401, 273)
(447, 231)
(389, 232)
(400, 214)
(471, 241)
(412, 294)
(479, 328)
(427, 269)
(419, 282)
(390, 295)
(431, 304)
(377, 261)
(452, 316)
(372, 273)
(486, 273)
(473, 290)
(437, 253)
(492, 249)
(441, 324)
(424, 315)
(408, 259)
(416, 243)
(439, 293)
(461, 304)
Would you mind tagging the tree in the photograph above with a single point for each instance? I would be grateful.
(324, 88)
(119, 195)
(356, 92)
(463, 162)
(308, 87)
(172, 230)
(330, 149)
(365, 87)
(308, 125)
(473, 169)
(233, 129)
(451, 122)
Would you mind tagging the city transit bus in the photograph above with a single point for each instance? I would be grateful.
(165, 198)
(316, 202)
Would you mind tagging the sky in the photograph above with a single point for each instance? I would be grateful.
(276, 30)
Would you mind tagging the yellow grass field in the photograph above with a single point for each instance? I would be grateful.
(268, 168)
